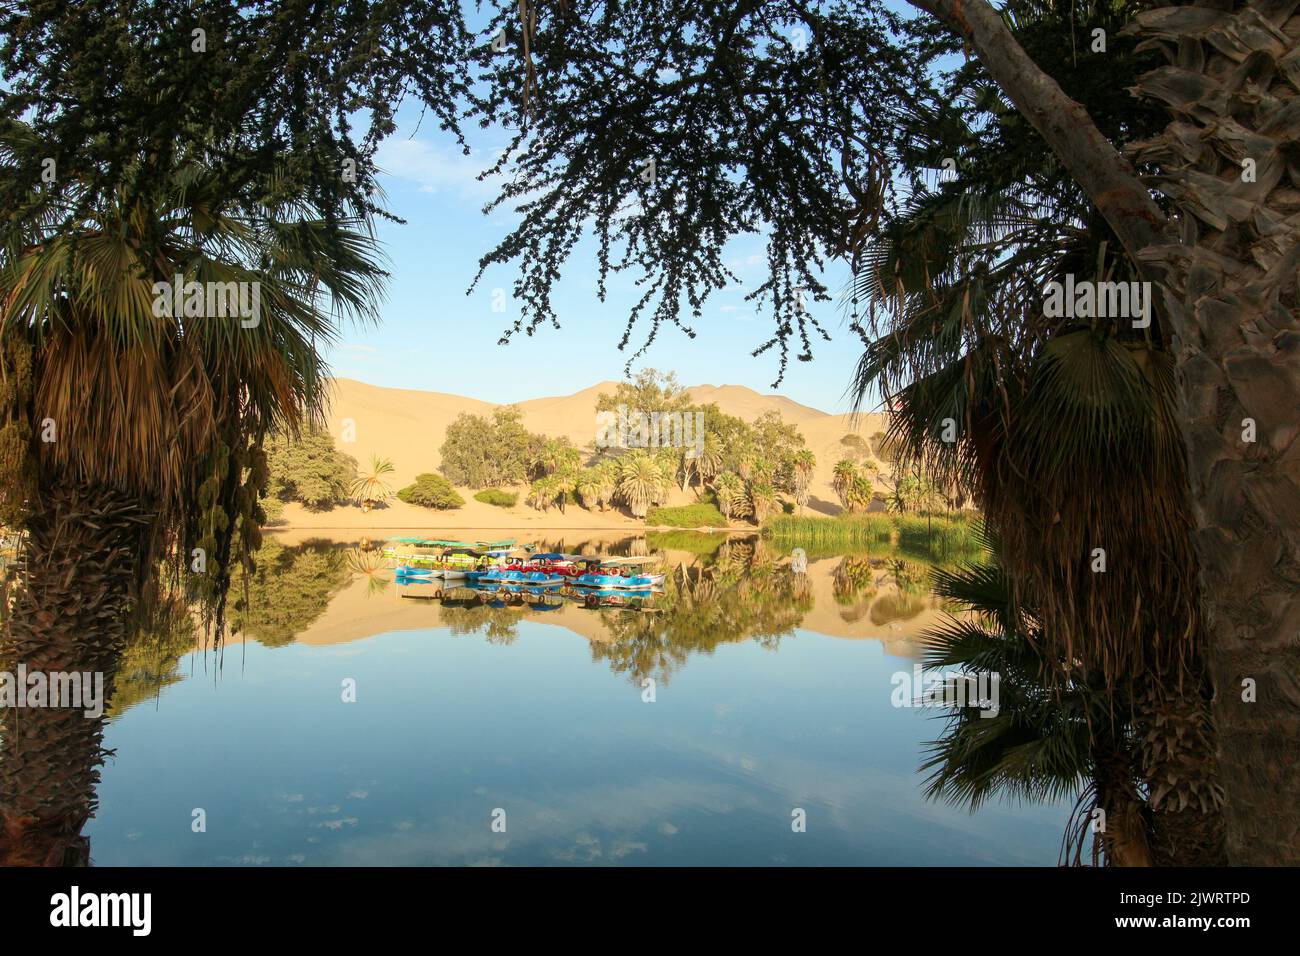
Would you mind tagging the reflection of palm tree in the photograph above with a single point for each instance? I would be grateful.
(852, 576)
(150, 661)
(159, 419)
(67, 616)
(373, 566)
(498, 625)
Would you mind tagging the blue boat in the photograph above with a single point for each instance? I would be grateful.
(622, 574)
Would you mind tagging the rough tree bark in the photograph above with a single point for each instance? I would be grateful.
(1228, 271)
(1230, 159)
(68, 614)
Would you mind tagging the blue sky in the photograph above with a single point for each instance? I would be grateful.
(434, 337)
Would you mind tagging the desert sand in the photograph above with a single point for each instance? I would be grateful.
(408, 427)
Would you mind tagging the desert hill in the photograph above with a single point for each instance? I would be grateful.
(408, 427)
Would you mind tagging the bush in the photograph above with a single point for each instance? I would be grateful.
(688, 516)
(431, 491)
(495, 496)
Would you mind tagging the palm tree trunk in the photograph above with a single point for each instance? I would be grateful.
(1229, 160)
(68, 615)
(1126, 835)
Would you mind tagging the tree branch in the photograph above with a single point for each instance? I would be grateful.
(1105, 176)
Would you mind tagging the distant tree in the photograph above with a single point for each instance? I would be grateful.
(309, 469)
(551, 491)
(861, 492)
(705, 465)
(651, 391)
(779, 441)
(547, 456)
(587, 489)
(431, 491)
(483, 452)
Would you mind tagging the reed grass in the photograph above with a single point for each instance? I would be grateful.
(699, 515)
(940, 538)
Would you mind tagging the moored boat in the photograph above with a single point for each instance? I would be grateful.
(621, 574)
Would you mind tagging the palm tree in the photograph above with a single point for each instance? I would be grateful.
(762, 501)
(548, 456)
(730, 492)
(804, 464)
(640, 483)
(587, 488)
(1049, 740)
(156, 423)
(913, 493)
(606, 482)
(1232, 296)
(843, 477)
(1050, 414)
(371, 488)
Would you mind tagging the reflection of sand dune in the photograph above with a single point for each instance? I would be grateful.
(358, 612)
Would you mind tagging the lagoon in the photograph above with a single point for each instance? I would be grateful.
(778, 702)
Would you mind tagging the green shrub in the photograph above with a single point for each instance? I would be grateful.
(495, 496)
(431, 491)
(698, 515)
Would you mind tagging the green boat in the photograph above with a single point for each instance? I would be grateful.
(439, 557)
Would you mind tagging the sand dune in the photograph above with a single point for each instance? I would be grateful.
(408, 426)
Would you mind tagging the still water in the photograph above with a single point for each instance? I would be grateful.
(771, 695)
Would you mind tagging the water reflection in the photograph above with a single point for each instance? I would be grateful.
(534, 729)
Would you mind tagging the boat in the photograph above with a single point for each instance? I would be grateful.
(621, 574)
(556, 564)
(438, 557)
(549, 568)
(457, 562)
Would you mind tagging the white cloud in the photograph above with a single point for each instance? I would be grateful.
(434, 168)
